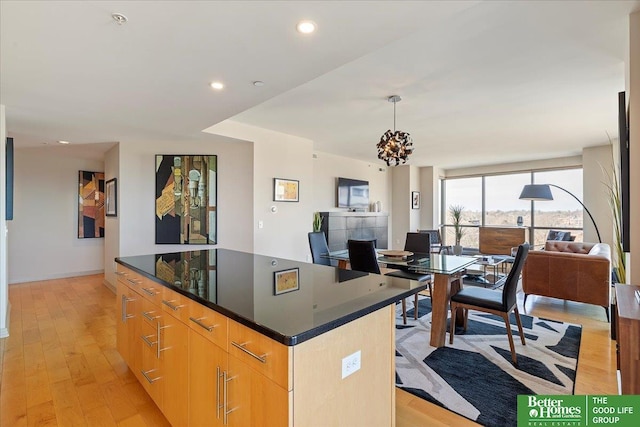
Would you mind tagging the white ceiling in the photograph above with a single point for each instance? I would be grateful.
(482, 82)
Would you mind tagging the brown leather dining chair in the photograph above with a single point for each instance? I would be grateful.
(500, 303)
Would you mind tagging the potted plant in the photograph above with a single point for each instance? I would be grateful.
(317, 221)
(456, 216)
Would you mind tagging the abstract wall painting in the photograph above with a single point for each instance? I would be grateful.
(186, 199)
(90, 205)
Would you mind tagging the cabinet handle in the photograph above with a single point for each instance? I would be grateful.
(218, 405)
(202, 325)
(148, 378)
(171, 306)
(242, 347)
(133, 282)
(158, 342)
(124, 302)
(149, 291)
(120, 273)
(225, 392)
(147, 315)
(146, 339)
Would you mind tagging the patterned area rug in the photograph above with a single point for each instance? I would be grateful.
(474, 377)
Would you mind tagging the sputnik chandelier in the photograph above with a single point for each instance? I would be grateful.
(395, 147)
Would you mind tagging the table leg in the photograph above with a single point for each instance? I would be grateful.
(443, 287)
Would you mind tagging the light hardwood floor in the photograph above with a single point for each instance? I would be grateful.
(59, 367)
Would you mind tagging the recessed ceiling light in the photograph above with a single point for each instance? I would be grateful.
(258, 83)
(306, 27)
(119, 18)
(64, 142)
(217, 85)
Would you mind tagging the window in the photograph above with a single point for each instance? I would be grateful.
(494, 200)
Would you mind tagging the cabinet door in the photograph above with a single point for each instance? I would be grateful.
(253, 399)
(128, 325)
(207, 362)
(174, 354)
(149, 374)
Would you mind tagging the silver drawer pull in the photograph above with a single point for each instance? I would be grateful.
(120, 273)
(133, 282)
(242, 347)
(146, 339)
(225, 398)
(147, 315)
(202, 325)
(149, 291)
(148, 378)
(171, 306)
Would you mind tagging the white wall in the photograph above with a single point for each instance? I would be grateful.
(4, 289)
(277, 155)
(633, 95)
(45, 222)
(136, 193)
(112, 224)
(596, 160)
(401, 205)
(430, 195)
(327, 167)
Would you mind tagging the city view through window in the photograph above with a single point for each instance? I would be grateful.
(493, 200)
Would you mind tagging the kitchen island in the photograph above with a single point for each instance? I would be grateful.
(221, 337)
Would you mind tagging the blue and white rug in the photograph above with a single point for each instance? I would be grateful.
(474, 377)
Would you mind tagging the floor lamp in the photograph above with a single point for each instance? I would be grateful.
(542, 192)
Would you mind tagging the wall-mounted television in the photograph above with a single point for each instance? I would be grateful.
(623, 136)
(353, 194)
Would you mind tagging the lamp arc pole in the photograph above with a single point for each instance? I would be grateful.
(585, 208)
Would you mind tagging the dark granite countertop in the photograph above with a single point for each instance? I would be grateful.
(242, 286)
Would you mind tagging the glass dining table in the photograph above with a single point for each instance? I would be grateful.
(446, 272)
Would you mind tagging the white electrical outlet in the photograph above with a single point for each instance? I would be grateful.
(351, 364)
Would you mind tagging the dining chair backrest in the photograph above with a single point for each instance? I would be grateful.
(418, 242)
(319, 247)
(434, 235)
(362, 256)
(510, 287)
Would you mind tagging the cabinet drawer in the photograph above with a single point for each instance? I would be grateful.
(151, 290)
(150, 312)
(208, 323)
(263, 354)
(175, 304)
(129, 277)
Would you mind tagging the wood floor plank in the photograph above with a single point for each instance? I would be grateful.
(60, 367)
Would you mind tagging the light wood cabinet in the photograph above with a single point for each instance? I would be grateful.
(253, 399)
(174, 354)
(202, 368)
(128, 324)
(628, 338)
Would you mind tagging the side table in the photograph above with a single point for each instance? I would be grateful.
(628, 338)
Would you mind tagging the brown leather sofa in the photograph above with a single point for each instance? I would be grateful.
(573, 271)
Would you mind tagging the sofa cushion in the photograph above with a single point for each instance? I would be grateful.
(571, 247)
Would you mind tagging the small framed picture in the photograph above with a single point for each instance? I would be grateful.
(111, 197)
(285, 190)
(415, 200)
(286, 281)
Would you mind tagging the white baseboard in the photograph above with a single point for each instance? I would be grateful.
(14, 281)
(4, 332)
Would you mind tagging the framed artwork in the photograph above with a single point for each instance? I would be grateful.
(286, 281)
(415, 200)
(285, 190)
(111, 197)
(90, 204)
(186, 199)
